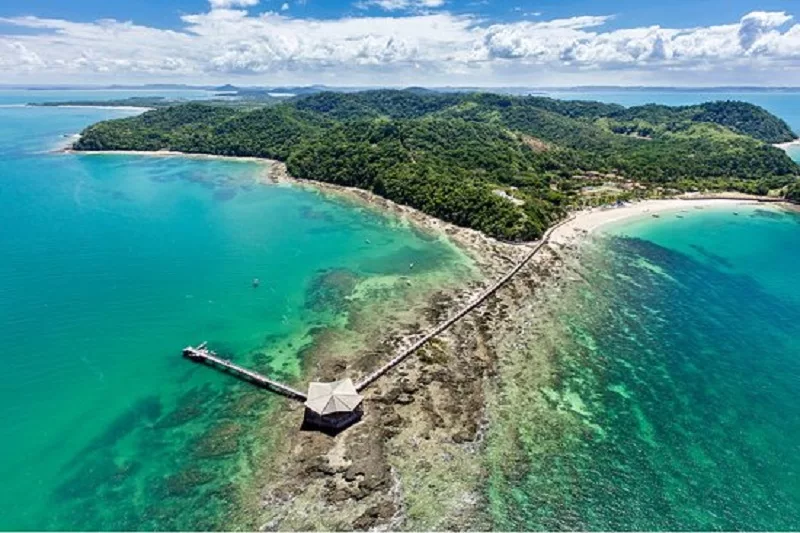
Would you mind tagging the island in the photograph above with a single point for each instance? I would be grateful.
(144, 102)
(508, 166)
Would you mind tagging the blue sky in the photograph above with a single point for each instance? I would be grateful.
(403, 42)
(166, 13)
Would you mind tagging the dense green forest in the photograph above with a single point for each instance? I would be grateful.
(508, 166)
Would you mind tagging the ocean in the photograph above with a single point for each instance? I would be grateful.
(110, 266)
(657, 389)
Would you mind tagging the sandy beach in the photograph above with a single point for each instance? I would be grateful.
(583, 222)
(592, 220)
(791, 144)
(156, 153)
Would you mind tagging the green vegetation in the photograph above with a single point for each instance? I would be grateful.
(739, 117)
(508, 166)
(793, 194)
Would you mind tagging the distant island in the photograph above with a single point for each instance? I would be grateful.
(508, 166)
(239, 98)
(316, 88)
(147, 102)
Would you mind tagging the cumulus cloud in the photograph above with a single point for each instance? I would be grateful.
(433, 47)
(230, 4)
(395, 5)
(579, 42)
(756, 24)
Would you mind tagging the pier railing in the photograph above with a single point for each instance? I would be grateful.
(366, 381)
(202, 354)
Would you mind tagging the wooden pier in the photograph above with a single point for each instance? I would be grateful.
(472, 304)
(202, 354)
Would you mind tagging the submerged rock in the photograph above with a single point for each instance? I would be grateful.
(185, 481)
(221, 440)
(330, 289)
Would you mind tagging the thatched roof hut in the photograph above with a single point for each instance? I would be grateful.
(333, 405)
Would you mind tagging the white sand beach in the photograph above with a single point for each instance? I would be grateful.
(588, 221)
(158, 153)
(791, 144)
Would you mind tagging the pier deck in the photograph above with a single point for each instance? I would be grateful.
(472, 304)
(201, 354)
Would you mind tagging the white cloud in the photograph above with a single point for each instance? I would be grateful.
(395, 5)
(230, 4)
(758, 23)
(423, 48)
(285, 6)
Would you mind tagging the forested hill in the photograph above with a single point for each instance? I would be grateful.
(508, 166)
(741, 117)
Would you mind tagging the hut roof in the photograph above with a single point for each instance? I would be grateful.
(335, 397)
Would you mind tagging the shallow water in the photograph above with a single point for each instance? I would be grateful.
(111, 264)
(659, 391)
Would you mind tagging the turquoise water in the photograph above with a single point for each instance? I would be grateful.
(657, 392)
(111, 264)
(666, 387)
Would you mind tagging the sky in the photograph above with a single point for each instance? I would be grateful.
(530, 43)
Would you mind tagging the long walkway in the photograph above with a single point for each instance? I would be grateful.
(371, 378)
(203, 355)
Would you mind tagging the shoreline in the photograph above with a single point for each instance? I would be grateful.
(416, 461)
(158, 153)
(482, 249)
(785, 146)
(78, 106)
(475, 243)
(591, 221)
